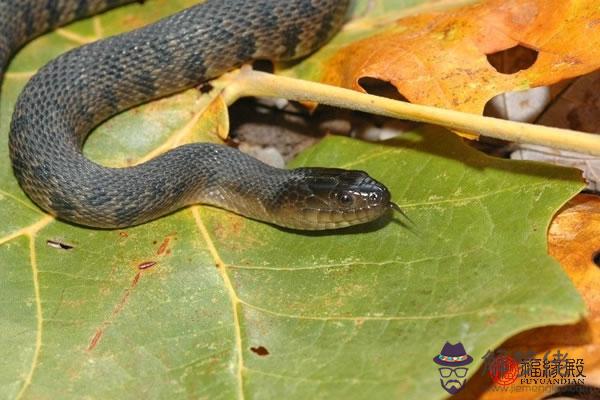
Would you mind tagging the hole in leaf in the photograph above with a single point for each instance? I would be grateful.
(260, 350)
(263, 66)
(513, 60)
(523, 106)
(596, 258)
(58, 245)
(385, 128)
(381, 88)
(205, 88)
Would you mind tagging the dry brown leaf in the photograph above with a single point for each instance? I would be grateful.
(441, 58)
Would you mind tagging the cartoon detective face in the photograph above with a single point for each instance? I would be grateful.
(452, 379)
(452, 361)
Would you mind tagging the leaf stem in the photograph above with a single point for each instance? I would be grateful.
(255, 83)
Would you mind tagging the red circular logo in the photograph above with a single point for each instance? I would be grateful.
(504, 370)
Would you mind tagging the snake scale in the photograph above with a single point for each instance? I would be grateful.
(74, 93)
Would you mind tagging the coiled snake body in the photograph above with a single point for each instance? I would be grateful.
(68, 97)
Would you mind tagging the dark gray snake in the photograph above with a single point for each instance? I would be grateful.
(71, 95)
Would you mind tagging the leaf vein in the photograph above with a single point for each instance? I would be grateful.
(38, 313)
(235, 301)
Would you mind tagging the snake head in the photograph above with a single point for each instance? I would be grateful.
(329, 198)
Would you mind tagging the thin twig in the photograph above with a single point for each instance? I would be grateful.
(254, 83)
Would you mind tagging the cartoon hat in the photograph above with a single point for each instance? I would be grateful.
(453, 355)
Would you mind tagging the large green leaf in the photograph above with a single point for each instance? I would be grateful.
(237, 308)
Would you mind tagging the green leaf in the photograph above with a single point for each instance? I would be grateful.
(235, 307)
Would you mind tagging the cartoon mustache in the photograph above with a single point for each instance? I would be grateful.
(451, 383)
(452, 386)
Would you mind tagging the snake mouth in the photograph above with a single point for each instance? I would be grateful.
(318, 219)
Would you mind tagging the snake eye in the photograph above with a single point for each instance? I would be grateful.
(374, 197)
(345, 198)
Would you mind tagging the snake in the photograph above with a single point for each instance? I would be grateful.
(72, 94)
